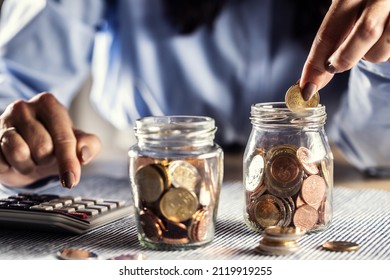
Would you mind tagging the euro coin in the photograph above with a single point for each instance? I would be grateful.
(178, 204)
(183, 174)
(305, 157)
(151, 182)
(305, 217)
(294, 99)
(340, 246)
(254, 177)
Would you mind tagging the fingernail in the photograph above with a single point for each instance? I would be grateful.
(67, 179)
(330, 68)
(308, 91)
(85, 154)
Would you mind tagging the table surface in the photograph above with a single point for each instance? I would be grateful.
(362, 214)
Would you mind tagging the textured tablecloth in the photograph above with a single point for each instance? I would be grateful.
(362, 216)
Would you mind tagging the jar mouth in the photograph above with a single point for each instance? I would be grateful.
(277, 113)
(176, 127)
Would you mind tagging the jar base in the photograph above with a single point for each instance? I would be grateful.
(161, 246)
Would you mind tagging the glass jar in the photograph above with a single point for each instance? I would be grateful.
(176, 173)
(288, 169)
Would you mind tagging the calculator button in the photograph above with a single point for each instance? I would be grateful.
(100, 208)
(110, 205)
(89, 212)
(64, 201)
(54, 204)
(78, 215)
(78, 206)
(42, 207)
(119, 203)
(18, 206)
(65, 209)
(86, 203)
(94, 200)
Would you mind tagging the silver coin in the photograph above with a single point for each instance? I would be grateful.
(183, 174)
(255, 173)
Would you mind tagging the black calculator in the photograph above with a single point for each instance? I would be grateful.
(50, 212)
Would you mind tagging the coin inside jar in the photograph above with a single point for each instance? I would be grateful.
(305, 217)
(305, 157)
(269, 211)
(255, 173)
(178, 204)
(151, 182)
(183, 174)
(313, 190)
(294, 99)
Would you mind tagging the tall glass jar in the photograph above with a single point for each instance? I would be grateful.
(288, 169)
(176, 173)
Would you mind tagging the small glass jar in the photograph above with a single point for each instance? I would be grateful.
(288, 169)
(176, 173)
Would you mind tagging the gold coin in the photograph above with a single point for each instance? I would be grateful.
(178, 204)
(294, 99)
(151, 182)
(340, 246)
(183, 174)
(269, 211)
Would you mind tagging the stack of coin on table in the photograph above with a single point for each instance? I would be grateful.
(279, 241)
(176, 203)
(288, 185)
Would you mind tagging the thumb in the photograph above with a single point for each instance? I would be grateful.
(88, 146)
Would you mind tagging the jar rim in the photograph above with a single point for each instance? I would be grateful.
(282, 105)
(277, 113)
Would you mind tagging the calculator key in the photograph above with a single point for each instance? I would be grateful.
(119, 203)
(29, 202)
(9, 200)
(110, 205)
(42, 207)
(65, 209)
(3, 204)
(64, 201)
(78, 206)
(78, 215)
(94, 200)
(54, 204)
(89, 212)
(85, 203)
(18, 206)
(100, 208)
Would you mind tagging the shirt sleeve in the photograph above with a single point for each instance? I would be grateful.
(46, 46)
(361, 128)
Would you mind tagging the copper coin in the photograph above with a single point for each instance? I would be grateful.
(305, 217)
(259, 191)
(340, 246)
(176, 241)
(313, 190)
(294, 99)
(76, 254)
(175, 230)
(269, 211)
(305, 157)
(150, 182)
(178, 204)
(254, 175)
(299, 201)
(289, 212)
(151, 225)
(200, 227)
(183, 174)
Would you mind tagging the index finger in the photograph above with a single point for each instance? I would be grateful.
(57, 121)
(335, 27)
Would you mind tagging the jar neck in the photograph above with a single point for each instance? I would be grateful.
(175, 132)
(276, 114)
